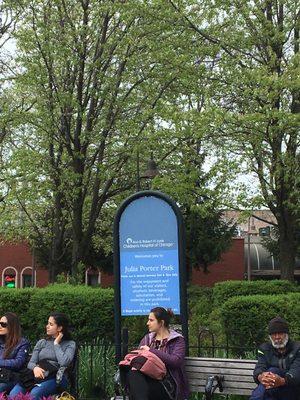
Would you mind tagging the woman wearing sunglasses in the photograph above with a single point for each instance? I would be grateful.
(50, 358)
(13, 350)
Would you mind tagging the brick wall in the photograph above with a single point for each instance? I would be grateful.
(107, 280)
(16, 258)
(230, 267)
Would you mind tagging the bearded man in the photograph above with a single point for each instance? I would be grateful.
(277, 371)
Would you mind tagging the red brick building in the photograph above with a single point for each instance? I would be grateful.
(19, 269)
(230, 267)
(17, 266)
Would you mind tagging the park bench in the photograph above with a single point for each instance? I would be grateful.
(219, 375)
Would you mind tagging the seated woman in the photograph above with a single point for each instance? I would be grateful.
(169, 346)
(13, 350)
(58, 350)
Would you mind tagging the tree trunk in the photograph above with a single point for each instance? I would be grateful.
(57, 239)
(77, 239)
(287, 246)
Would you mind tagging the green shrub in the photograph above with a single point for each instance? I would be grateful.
(90, 310)
(245, 318)
(17, 301)
(223, 291)
(137, 328)
(197, 293)
(200, 307)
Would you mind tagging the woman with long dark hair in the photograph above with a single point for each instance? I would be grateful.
(13, 350)
(50, 358)
(169, 346)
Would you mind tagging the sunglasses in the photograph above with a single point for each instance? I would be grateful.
(3, 324)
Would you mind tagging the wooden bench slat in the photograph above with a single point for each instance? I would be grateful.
(235, 361)
(220, 371)
(228, 378)
(246, 392)
(224, 364)
(225, 367)
(227, 385)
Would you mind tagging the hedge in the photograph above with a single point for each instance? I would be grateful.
(200, 308)
(223, 291)
(245, 318)
(90, 310)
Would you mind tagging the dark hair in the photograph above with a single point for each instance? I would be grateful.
(13, 333)
(161, 314)
(62, 320)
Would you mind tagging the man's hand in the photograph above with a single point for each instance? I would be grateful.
(279, 381)
(270, 380)
(266, 378)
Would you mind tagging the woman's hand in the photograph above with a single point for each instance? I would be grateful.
(38, 372)
(145, 347)
(58, 338)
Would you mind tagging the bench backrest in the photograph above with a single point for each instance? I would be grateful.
(238, 374)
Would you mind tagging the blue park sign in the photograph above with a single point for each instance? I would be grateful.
(149, 259)
(149, 262)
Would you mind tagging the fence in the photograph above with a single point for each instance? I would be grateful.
(97, 365)
(95, 369)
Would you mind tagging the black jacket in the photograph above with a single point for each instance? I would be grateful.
(289, 362)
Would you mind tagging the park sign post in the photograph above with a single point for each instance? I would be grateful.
(149, 259)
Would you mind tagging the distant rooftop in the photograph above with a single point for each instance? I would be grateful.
(258, 219)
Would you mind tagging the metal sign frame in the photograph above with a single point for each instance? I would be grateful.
(181, 260)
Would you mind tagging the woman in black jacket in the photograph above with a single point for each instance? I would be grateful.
(13, 350)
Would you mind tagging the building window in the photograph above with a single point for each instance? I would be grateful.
(10, 280)
(27, 280)
(93, 280)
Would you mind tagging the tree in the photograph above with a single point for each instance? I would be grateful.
(99, 83)
(94, 83)
(200, 193)
(9, 16)
(208, 237)
(255, 98)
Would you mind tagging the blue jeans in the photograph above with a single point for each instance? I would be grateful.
(6, 387)
(280, 393)
(43, 389)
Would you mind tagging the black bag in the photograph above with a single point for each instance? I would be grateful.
(6, 375)
(49, 368)
(169, 386)
(27, 378)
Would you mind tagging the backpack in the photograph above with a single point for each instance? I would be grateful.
(146, 362)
